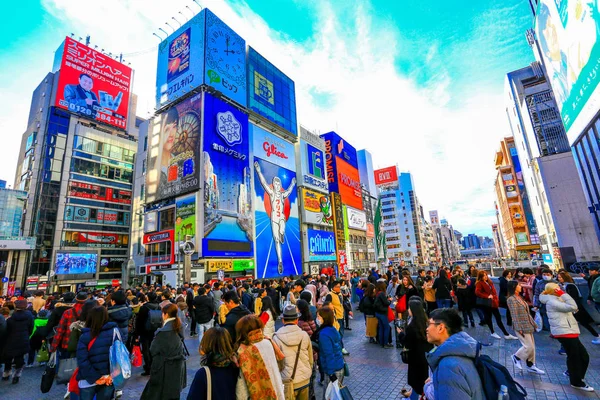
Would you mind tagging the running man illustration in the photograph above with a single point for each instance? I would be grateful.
(277, 198)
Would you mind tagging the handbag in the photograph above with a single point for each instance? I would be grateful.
(391, 316)
(401, 305)
(73, 382)
(483, 302)
(49, 374)
(345, 393)
(66, 367)
(404, 355)
(346, 369)
(43, 355)
(136, 356)
(288, 384)
(208, 383)
(371, 326)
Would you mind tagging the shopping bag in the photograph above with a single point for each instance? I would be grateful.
(538, 321)
(391, 315)
(48, 374)
(43, 355)
(371, 327)
(73, 385)
(66, 367)
(333, 391)
(345, 393)
(120, 363)
(401, 305)
(136, 356)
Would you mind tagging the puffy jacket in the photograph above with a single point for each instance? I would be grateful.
(336, 303)
(18, 329)
(120, 314)
(381, 303)
(204, 309)
(94, 363)
(142, 317)
(454, 374)
(539, 288)
(560, 314)
(233, 316)
(56, 315)
(484, 289)
(330, 350)
(288, 337)
(367, 305)
(442, 288)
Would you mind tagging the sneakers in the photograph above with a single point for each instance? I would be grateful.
(517, 363)
(535, 370)
(562, 352)
(345, 352)
(586, 388)
(495, 335)
(566, 373)
(596, 341)
(510, 337)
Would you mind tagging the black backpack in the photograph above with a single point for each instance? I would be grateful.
(154, 320)
(493, 375)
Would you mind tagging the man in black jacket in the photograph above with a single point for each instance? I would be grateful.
(204, 309)
(189, 299)
(120, 313)
(236, 312)
(146, 335)
(593, 270)
(59, 309)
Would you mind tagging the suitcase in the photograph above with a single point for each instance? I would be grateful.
(371, 327)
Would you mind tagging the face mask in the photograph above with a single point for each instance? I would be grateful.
(546, 277)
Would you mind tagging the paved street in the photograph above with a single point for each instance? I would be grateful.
(376, 373)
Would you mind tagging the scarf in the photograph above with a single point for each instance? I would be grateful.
(254, 370)
(215, 360)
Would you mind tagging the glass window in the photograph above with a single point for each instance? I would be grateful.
(167, 219)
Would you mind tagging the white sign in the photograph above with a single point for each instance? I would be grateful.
(356, 219)
(17, 243)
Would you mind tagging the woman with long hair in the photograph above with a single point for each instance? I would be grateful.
(487, 301)
(367, 307)
(258, 356)
(443, 287)
(93, 356)
(582, 316)
(404, 292)
(414, 339)
(381, 305)
(218, 357)
(168, 370)
(507, 275)
(524, 327)
(330, 346)
(308, 325)
(268, 315)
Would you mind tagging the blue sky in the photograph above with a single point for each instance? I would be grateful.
(419, 84)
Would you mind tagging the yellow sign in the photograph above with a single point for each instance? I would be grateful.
(215, 265)
(263, 88)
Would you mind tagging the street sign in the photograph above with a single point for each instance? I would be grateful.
(188, 248)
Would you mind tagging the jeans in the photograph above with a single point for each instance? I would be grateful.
(383, 329)
(102, 392)
(202, 328)
(193, 323)
(578, 360)
(444, 303)
(341, 331)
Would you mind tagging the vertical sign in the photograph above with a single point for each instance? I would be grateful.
(185, 219)
(338, 225)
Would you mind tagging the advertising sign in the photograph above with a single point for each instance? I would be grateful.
(76, 263)
(320, 245)
(273, 149)
(185, 219)
(162, 251)
(216, 265)
(99, 238)
(150, 221)
(316, 208)
(349, 184)
(278, 251)
(338, 147)
(228, 217)
(100, 193)
(107, 216)
(356, 219)
(17, 243)
(568, 33)
(225, 61)
(386, 176)
(93, 85)
(338, 221)
(370, 230)
(533, 232)
(173, 154)
(270, 92)
(312, 160)
(243, 265)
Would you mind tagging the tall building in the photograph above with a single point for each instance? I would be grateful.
(471, 241)
(517, 221)
(370, 200)
(76, 163)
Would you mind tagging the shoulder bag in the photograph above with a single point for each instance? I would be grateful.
(208, 384)
(288, 384)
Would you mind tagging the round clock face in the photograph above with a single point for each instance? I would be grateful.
(227, 51)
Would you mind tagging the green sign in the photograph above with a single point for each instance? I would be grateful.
(185, 219)
(242, 265)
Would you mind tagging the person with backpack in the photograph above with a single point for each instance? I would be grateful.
(148, 321)
(204, 310)
(454, 375)
(582, 316)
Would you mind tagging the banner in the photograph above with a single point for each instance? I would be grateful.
(386, 175)
(349, 187)
(316, 208)
(380, 234)
(185, 219)
(93, 85)
(228, 217)
(356, 219)
(320, 245)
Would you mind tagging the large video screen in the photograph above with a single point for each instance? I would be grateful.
(76, 263)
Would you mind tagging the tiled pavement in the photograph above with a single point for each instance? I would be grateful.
(376, 373)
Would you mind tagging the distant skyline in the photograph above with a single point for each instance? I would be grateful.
(418, 84)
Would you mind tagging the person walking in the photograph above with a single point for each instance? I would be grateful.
(258, 357)
(203, 310)
(149, 320)
(37, 336)
(381, 305)
(335, 298)
(330, 346)
(120, 313)
(563, 326)
(60, 341)
(507, 275)
(18, 329)
(354, 282)
(414, 340)
(190, 295)
(524, 327)
(465, 302)
(93, 356)
(218, 357)
(582, 316)
(546, 277)
(443, 287)
(487, 300)
(268, 316)
(297, 349)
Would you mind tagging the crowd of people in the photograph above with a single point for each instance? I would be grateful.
(278, 339)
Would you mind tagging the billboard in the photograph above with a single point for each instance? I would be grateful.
(270, 92)
(76, 263)
(273, 149)
(228, 218)
(174, 149)
(568, 35)
(356, 219)
(93, 85)
(338, 223)
(161, 249)
(278, 251)
(386, 175)
(316, 208)
(320, 245)
(338, 147)
(185, 219)
(312, 162)
(349, 188)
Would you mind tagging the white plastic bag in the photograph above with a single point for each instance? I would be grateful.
(333, 391)
(538, 321)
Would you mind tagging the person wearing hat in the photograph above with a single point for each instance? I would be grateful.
(18, 328)
(60, 341)
(295, 344)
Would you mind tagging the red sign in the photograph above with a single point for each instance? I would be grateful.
(95, 192)
(98, 237)
(115, 282)
(93, 85)
(343, 262)
(156, 237)
(349, 184)
(159, 254)
(386, 175)
(370, 230)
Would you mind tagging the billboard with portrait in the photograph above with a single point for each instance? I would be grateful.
(185, 219)
(75, 263)
(316, 208)
(320, 245)
(568, 33)
(174, 145)
(278, 250)
(93, 85)
(228, 217)
(270, 92)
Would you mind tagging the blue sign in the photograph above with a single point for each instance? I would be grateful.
(320, 245)
(272, 148)
(547, 259)
(225, 63)
(340, 148)
(313, 167)
(228, 218)
(278, 251)
(270, 92)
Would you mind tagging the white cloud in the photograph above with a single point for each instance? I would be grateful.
(448, 150)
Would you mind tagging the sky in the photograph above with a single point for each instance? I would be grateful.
(418, 84)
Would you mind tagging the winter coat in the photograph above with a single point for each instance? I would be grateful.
(582, 314)
(56, 315)
(223, 380)
(405, 291)
(466, 302)
(216, 295)
(503, 284)
(204, 309)
(442, 288)
(367, 306)
(121, 314)
(483, 290)
(168, 370)
(18, 329)
(539, 288)
(454, 374)
(94, 363)
(560, 314)
(381, 304)
(288, 337)
(330, 350)
(521, 317)
(246, 299)
(418, 369)
(142, 317)
(233, 316)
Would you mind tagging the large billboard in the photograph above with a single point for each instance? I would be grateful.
(320, 245)
(356, 219)
(93, 85)
(185, 219)
(312, 159)
(173, 155)
(348, 181)
(338, 147)
(228, 218)
(568, 34)
(386, 176)
(270, 92)
(316, 208)
(272, 148)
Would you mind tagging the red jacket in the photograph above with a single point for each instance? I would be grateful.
(483, 290)
(63, 331)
